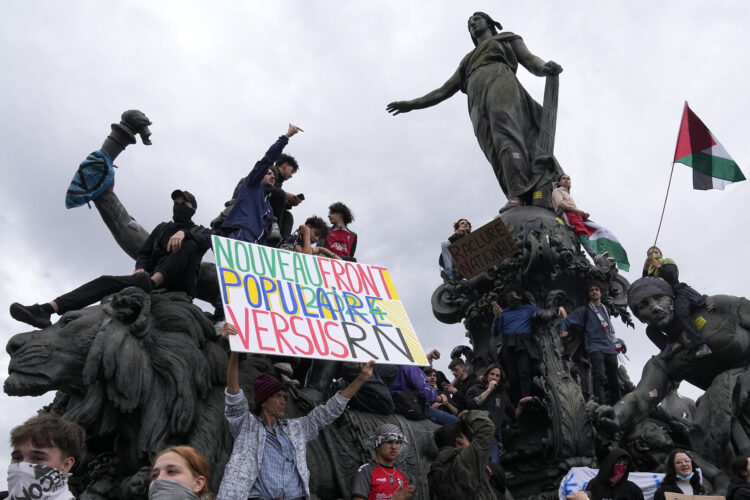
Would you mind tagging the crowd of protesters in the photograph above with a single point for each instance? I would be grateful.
(476, 415)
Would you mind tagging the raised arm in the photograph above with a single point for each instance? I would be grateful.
(261, 167)
(534, 64)
(430, 99)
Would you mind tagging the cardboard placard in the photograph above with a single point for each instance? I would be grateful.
(481, 249)
(293, 304)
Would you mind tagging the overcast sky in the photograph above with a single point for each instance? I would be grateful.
(222, 80)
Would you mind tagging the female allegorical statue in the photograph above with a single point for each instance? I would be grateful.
(506, 119)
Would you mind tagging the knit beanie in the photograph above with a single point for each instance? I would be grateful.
(266, 386)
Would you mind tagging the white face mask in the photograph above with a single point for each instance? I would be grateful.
(164, 489)
(38, 482)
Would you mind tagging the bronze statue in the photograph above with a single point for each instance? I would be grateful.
(725, 326)
(506, 119)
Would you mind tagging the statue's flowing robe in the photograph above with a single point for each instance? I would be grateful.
(505, 117)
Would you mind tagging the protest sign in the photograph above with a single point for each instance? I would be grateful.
(293, 304)
(481, 249)
(680, 496)
(578, 478)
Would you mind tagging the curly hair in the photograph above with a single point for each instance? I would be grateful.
(49, 430)
(285, 158)
(196, 462)
(597, 284)
(343, 211)
(483, 379)
(319, 225)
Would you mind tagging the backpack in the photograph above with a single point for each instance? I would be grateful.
(442, 485)
(94, 176)
(219, 220)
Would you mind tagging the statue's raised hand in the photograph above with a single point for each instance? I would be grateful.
(138, 122)
(551, 68)
(398, 107)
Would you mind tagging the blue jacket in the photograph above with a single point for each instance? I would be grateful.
(251, 209)
(514, 321)
(597, 338)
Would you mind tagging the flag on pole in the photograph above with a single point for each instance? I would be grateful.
(697, 147)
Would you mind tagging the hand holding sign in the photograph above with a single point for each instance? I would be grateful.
(357, 383)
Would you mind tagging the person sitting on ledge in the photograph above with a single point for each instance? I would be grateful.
(461, 228)
(686, 300)
(308, 233)
(251, 216)
(413, 395)
(341, 240)
(563, 203)
(170, 258)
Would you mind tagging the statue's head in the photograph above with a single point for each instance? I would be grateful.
(479, 22)
(652, 301)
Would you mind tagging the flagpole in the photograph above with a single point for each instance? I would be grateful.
(663, 209)
(670, 179)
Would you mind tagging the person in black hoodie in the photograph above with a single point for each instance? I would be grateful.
(170, 258)
(739, 488)
(682, 476)
(611, 483)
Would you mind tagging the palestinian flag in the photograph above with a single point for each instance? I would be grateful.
(596, 239)
(697, 147)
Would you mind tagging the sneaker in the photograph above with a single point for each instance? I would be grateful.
(275, 237)
(31, 315)
(143, 281)
(703, 350)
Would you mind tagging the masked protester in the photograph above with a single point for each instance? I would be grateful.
(180, 473)
(45, 448)
(170, 258)
(611, 483)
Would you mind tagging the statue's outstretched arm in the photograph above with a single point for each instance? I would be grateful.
(127, 232)
(534, 64)
(652, 388)
(430, 99)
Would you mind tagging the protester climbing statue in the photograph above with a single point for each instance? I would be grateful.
(145, 369)
(507, 121)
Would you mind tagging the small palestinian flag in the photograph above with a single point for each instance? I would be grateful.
(697, 147)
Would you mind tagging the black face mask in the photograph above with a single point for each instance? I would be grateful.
(513, 302)
(182, 214)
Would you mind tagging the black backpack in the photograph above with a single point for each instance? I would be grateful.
(219, 220)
